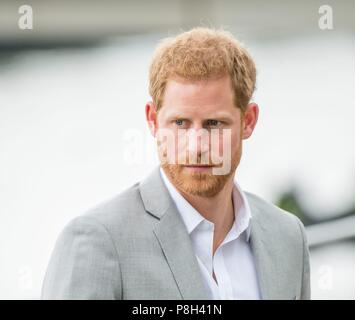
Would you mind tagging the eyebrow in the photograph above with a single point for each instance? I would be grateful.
(217, 116)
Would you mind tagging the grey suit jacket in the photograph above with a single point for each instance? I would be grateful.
(136, 246)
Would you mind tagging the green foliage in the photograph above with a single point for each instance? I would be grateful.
(288, 201)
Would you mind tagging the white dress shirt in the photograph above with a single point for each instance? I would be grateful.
(233, 262)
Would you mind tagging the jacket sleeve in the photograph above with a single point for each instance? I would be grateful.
(84, 264)
(306, 281)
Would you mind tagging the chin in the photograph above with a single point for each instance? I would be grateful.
(201, 184)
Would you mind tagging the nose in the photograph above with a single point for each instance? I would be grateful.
(197, 142)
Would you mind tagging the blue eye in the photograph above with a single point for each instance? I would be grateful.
(212, 123)
(179, 122)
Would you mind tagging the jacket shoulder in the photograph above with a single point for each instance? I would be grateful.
(122, 211)
(274, 217)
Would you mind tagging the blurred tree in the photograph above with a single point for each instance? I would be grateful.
(289, 201)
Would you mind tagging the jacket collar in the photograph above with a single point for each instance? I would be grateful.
(175, 242)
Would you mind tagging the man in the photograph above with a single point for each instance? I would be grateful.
(188, 231)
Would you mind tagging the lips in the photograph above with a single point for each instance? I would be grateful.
(198, 166)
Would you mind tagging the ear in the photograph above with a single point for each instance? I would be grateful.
(250, 119)
(151, 115)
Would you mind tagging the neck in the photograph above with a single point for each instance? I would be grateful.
(217, 209)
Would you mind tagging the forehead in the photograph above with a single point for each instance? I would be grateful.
(198, 96)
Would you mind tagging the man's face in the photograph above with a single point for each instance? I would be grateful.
(199, 133)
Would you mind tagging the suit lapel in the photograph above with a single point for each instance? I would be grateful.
(268, 257)
(173, 237)
(175, 242)
(262, 259)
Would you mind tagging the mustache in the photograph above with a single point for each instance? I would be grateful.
(185, 162)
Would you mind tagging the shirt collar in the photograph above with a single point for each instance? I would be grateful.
(192, 218)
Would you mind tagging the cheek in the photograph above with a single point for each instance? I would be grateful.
(236, 139)
(229, 140)
(171, 145)
(165, 141)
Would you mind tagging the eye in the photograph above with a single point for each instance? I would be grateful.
(213, 123)
(179, 122)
